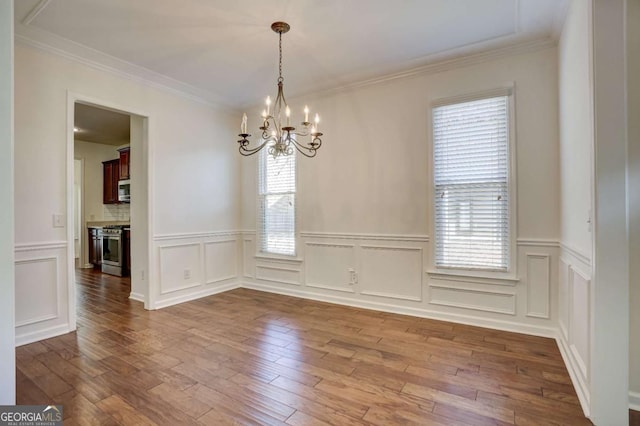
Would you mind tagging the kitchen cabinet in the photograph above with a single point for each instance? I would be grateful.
(95, 247)
(126, 252)
(111, 175)
(124, 163)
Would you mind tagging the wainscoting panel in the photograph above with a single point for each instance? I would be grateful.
(220, 261)
(538, 285)
(278, 273)
(179, 267)
(36, 290)
(248, 252)
(470, 298)
(195, 265)
(563, 299)
(42, 289)
(574, 319)
(579, 323)
(392, 271)
(329, 266)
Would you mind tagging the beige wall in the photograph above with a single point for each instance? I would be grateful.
(576, 130)
(372, 173)
(364, 202)
(93, 155)
(576, 147)
(193, 169)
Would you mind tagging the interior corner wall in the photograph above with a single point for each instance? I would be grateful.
(7, 279)
(193, 180)
(576, 148)
(576, 129)
(633, 113)
(364, 202)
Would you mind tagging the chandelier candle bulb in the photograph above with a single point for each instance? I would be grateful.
(277, 134)
(243, 125)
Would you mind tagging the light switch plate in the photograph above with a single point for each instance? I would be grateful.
(58, 221)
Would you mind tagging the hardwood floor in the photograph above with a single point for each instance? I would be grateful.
(247, 357)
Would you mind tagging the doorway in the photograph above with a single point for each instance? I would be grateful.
(111, 201)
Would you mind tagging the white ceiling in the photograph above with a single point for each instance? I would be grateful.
(100, 125)
(224, 51)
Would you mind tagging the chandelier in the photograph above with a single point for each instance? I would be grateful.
(277, 132)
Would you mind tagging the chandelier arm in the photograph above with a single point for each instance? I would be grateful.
(268, 126)
(302, 148)
(250, 151)
(317, 141)
(247, 152)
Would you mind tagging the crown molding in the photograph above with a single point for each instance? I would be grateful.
(437, 64)
(35, 11)
(560, 19)
(43, 40)
(62, 47)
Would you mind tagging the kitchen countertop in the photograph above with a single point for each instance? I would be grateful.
(100, 224)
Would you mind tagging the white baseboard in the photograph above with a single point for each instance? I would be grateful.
(579, 385)
(634, 401)
(196, 295)
(137, 297)
(404, 310)
(47, 333)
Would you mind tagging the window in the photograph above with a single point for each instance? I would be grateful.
(471, 181)
(277, 203)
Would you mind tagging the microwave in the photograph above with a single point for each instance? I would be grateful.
(124, 191)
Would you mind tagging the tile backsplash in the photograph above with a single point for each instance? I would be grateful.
(117, 212)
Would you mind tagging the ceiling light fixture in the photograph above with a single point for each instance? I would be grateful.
(277, 132)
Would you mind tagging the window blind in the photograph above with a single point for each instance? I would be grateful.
(277, 199)
(471, 172)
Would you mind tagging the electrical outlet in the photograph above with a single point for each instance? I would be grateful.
(353, 276)
(187, 274)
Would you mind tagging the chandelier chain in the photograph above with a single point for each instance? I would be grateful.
(280, 79)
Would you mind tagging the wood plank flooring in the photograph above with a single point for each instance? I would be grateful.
(247, 357)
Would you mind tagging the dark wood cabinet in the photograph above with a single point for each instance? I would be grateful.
(124, 163)
(111, 175)
(126, 252)
(95, 247)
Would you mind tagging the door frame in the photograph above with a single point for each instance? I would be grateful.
(146, 152)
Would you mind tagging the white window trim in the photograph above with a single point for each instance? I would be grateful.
(259, 254)
(510, 276)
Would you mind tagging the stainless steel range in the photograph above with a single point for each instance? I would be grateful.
(112, 250)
